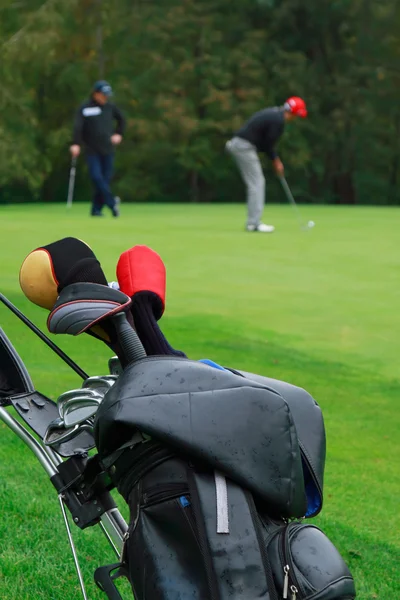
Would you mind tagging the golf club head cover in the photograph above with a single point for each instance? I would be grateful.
(47, 270)
(141, 276)
(140, 270)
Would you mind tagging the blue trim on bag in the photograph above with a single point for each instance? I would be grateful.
(314, 499)
(211, 363)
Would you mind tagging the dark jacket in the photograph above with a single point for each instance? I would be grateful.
(263, 130)
(95, 124)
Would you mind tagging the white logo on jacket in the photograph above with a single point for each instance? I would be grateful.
(91, 111)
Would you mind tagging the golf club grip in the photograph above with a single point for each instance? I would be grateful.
(129, 340)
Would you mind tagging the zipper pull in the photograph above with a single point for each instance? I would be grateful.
(286, 570)
(124, 540)
(294, 591)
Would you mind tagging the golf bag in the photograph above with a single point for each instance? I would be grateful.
(219, 467)
(214, 471)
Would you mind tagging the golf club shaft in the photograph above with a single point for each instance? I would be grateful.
(44, 337)
(291, 199)
(71, 184)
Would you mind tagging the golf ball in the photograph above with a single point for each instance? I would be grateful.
(311, 223)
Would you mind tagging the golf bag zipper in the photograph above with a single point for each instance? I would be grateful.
(273, 594)
(313, 477)
(173, 491)
(155, 495)
(288, 569)
(123, 548)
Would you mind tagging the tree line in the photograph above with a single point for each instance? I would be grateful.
(187, 73)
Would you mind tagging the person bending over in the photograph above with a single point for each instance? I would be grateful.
(260, 134)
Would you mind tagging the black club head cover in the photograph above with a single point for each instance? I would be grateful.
(47, 270)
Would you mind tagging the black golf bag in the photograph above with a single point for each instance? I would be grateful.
(219, 469)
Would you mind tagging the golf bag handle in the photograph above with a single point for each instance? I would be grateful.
(104, 578)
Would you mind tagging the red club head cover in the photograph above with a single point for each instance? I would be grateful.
(141, 270)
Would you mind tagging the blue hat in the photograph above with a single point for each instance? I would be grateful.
(103, 87)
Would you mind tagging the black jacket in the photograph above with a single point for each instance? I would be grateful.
(263, 130)
(94, 125)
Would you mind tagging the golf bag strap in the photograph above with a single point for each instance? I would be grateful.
(235, 558)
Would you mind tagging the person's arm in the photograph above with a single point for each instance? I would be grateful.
(121, 122)
(276, 161)
(270, 152)
(116, 138)
(274, 134)
(75, 147)
(78, 128)
(278, 166)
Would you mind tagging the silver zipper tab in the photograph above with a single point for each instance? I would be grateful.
(294, 591)
(124, 540)
(286, 570)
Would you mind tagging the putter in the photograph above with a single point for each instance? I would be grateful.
(289, 196)
(71, 185)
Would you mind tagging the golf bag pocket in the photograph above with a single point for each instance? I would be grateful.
(194, 533)
(190, 538)
(162, 550)
(305, 563)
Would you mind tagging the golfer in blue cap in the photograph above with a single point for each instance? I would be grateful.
(99, 127)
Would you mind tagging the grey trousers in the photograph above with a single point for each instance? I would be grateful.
(246, 157)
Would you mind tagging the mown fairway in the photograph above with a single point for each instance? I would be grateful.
(318, 309)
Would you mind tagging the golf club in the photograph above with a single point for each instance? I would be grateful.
(79, 412)
(44, 337)
(289, 195)
(57, 434)
(114, 366)
(71, 185)
(76, 396)
(99, 384)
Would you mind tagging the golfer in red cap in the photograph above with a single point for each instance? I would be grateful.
(260, 134)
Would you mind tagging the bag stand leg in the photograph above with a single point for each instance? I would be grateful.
(71, 543)
(111, 522)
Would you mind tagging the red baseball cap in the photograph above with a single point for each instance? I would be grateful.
(296, 105)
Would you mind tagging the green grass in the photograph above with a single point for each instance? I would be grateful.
(317, 309)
